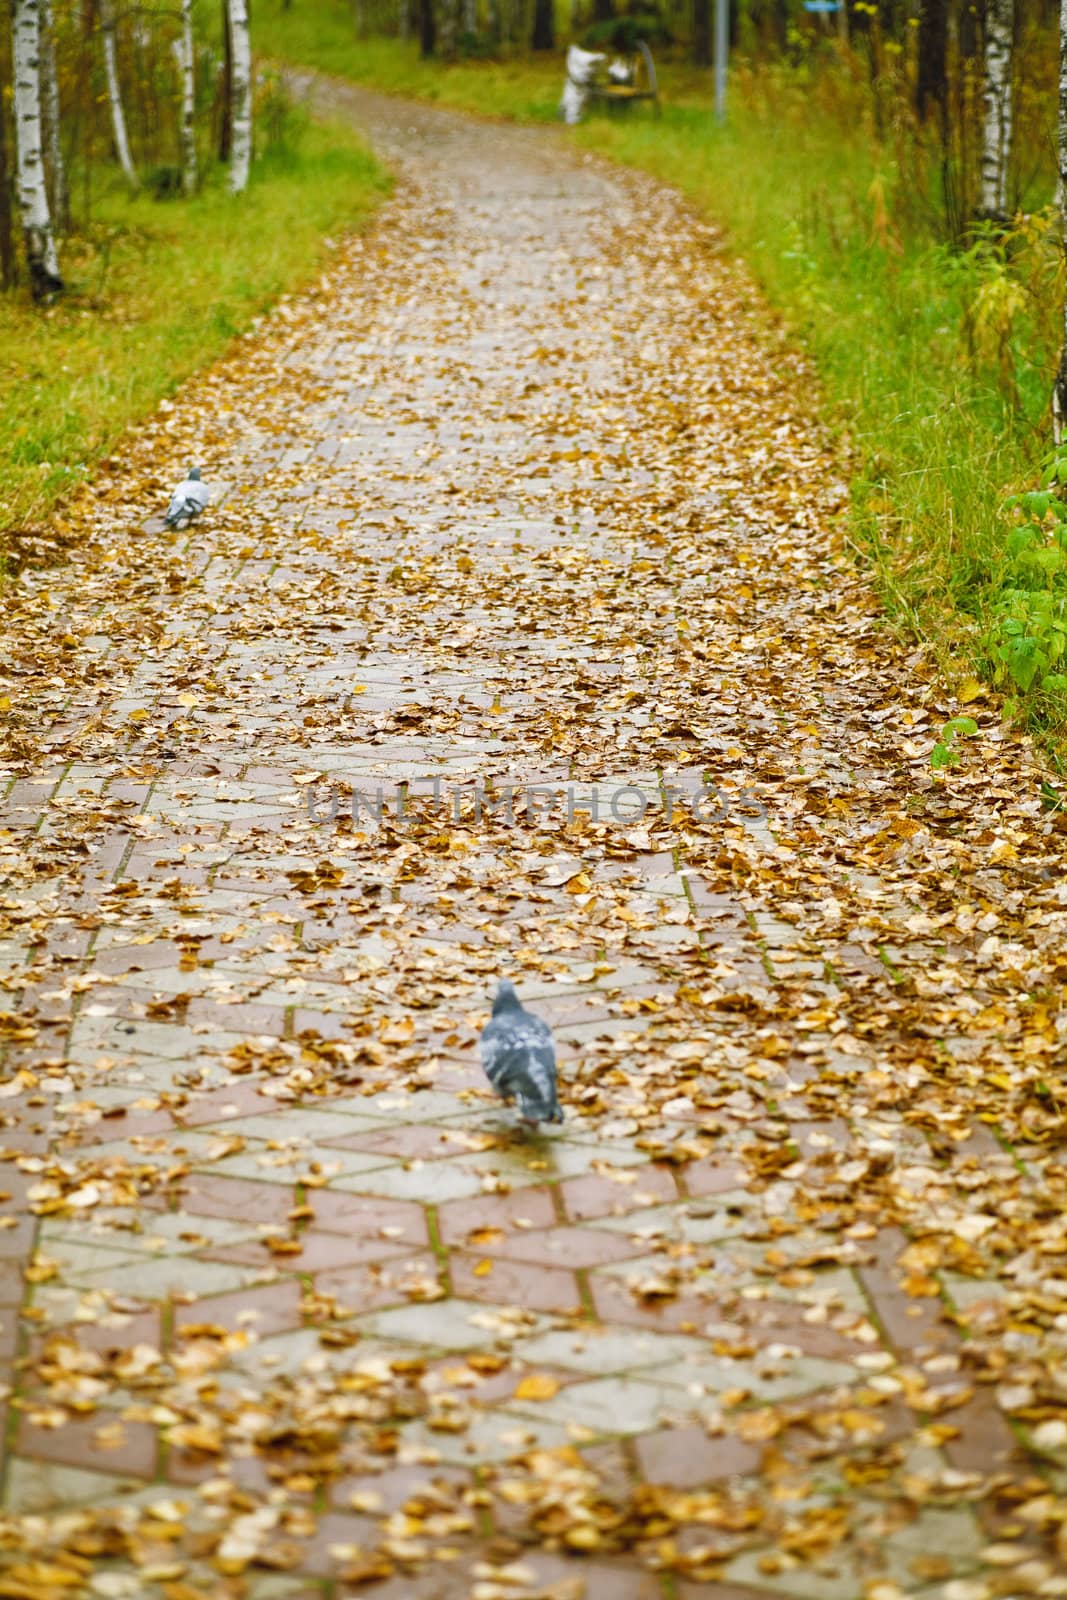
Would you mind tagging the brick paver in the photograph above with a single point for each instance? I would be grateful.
(521, 493)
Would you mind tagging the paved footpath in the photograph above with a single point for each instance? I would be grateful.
(522, 495)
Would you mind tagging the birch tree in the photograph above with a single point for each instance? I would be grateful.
(240, 96)
(50, 121)
(114, 93)
(997, 105)
(41, 259)
(1059, 393)
(187, 130)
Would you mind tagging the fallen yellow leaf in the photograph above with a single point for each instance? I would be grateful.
(538, 1386)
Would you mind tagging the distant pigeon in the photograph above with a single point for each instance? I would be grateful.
(520, 1059)
(187, 501)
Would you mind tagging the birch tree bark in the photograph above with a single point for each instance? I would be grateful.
(187, 131)
(114, 93)
(50, 117)
(1059, 392)
(241, 96)
(997, 129)
(470, 17)
(41, 259)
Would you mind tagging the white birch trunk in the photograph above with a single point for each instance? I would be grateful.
(1059, 393)
(114, 93)
(241, 96)
(187, 131)
(41, 259)
(996, 130)
(470, 17)
(50, 116)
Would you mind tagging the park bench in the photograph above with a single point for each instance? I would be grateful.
(640, 82)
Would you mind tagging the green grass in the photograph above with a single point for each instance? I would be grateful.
(938, 434)
(520, 90)
(157, 289)
(935, 363)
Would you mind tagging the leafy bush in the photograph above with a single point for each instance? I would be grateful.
(1029, 637)
(624, 33)
(282, 122)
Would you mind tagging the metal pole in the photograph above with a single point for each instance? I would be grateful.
(722, 39)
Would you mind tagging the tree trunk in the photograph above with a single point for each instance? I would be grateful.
(114, 93)
(427, 28)
(55, 166)
(447, 29)
(996, 129)
(241, 96)
(842, 24)
(702, 33)
(1059, 393)
(470, 19)
(7, 221)
(226, 88)
(187, 131)
(41, 259)
(971, 26)
(544, 29)
(603, 10)
(931, 86)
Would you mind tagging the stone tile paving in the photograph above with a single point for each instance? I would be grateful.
(517, 495)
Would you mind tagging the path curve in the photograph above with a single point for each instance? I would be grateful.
(524, 493)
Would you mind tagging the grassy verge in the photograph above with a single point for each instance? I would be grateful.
(935, 362)
(157, 290)
(519, 90)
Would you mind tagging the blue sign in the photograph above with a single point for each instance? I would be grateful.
(822, 5)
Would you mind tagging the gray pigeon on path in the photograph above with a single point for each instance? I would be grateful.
(187, 501)
(519, 1057)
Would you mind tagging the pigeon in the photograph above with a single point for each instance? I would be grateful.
(520, 1059)
(187, 501)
